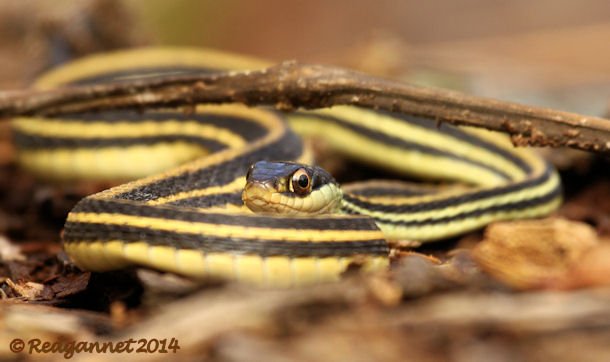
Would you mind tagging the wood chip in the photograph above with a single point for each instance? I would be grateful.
(384, 290)
(28, 290)
(591, 270)
(531, 254)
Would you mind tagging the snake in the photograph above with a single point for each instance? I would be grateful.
(230, 192)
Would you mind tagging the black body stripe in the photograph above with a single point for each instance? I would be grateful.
(87, 232)
(388, 191)
(32, 142)
(325, 222)
(511, 206)
(443, 203)
(288, 147)
(459, 134)
(400, 143)
(247, 128)
(232, 198)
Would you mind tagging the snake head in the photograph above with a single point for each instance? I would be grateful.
(290, 188)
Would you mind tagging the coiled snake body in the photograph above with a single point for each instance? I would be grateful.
(189, 218)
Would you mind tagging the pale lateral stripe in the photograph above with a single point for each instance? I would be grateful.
(395, 128)
(453, 210)
(452, 191)
(146, 57)
(412, 162)
(225, 231)
(105, 130)
(411, 200)
(275, 126)
(235, 185)
(108, 163)
(429, 232)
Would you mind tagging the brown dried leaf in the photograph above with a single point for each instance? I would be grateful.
(66, 285)
(383, 290)
(29, 290)
(418, 275)
(429, 258)
(592, 270)
(462, 269)
(529, 254)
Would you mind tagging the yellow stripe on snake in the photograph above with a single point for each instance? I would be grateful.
(185, 213)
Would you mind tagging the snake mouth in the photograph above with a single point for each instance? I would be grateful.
(263, 197)
(257, 196)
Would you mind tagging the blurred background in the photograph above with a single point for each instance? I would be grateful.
(547, 52)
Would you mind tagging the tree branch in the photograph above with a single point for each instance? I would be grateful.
(290, 85)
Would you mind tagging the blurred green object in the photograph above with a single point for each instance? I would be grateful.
(185, 22)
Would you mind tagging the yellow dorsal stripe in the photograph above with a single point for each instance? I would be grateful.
(105, 130)
(235, 185)
(396, 128)
(226, 231)
(147, 57)
(459, 208)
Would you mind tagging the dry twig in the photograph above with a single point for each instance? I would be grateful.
(290, 85)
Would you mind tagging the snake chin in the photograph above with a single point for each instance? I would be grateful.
(257, 197)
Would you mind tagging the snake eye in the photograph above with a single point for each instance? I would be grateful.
(301, 183)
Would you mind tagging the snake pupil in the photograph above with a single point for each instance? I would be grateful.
(303, 181)
(300, 182)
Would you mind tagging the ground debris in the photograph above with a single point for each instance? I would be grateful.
(591, 270)
(32, 321)
(591, 205)
(29, 290)
(32, 272)
(340, 321)
(533, 254)
(9, 251)
(434, 304)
